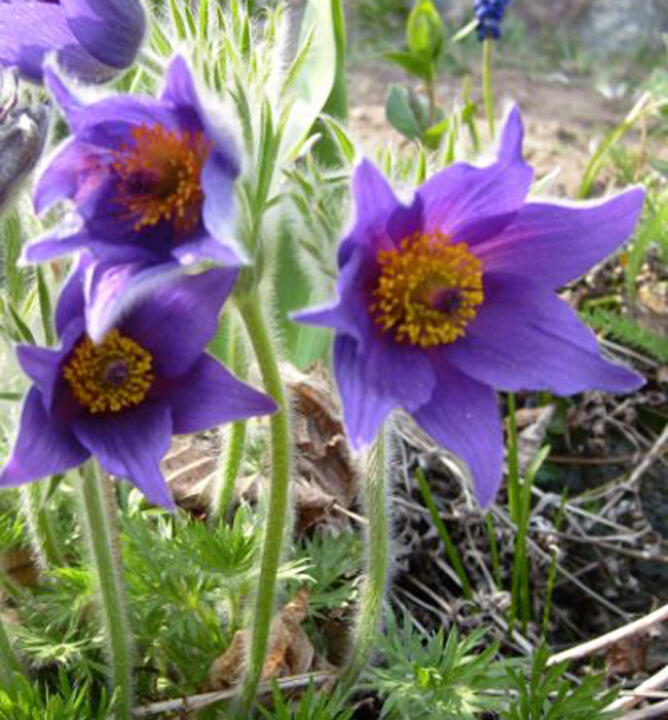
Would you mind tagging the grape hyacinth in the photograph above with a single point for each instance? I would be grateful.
(489, 14)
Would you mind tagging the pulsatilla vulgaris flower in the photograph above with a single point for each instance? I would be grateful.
(445, 299)
(93, 39)
(152, 180)
(120, 400)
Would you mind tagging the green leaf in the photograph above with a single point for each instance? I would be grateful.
(411, 64)
(405, 112)
(303, 344)
(313, 82)
(45, 307)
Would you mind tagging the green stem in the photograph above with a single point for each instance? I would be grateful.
(375, 498)
(250, 307)
(9, 663)
(43, 537)
(513, 461)
(100, 515)
(236, 440)
(487, 92)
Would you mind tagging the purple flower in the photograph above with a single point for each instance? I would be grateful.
(152, 181)
(446, 299)
(93, 39)
(122, 399)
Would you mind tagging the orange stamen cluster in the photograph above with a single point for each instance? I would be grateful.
(160, 173)
(111, 376)
(428, 290)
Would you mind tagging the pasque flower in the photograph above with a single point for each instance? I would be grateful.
(93, 39)
(121, 400)
(151, 180)
(445, 299)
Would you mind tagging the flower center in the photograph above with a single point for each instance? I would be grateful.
(111, 376)
(428, 290)
(160, 177)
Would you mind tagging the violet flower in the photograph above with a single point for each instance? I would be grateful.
(152, 182)
(446, 299)
(93, 39)
(122, 399)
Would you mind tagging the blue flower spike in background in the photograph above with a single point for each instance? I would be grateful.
(453, 296)
(122, 399)
(93, 39)
(489, 14)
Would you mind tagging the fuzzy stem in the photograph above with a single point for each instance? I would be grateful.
(250, 307)
(487, 92)
(100, 515)
(375, 498)
(9, 663)
(234, 452)
(43, 537)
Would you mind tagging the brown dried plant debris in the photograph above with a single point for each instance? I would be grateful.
(290, 650)
(325, 473)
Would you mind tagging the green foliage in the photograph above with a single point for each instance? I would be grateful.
(23, 700)
(335, 560)
(311, 706)
(545, 693)
(439, 677)
(625, 330)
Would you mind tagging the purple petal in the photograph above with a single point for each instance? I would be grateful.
(73, 172)
(28, 31)
(365, 405)
(59, 242)
(471, 204)
(218, 211)
(108, 122)
(43, 447)
(111, 30)
(112, 289)
(526, 338)
(374, 380)
(347, 315)
(208, 248)
(42, 365)
(512, 137)
(179, 318)
(71, 300)
(130, 444)
(375, 204)
(463, 417)
(208, 395)
(556, 243)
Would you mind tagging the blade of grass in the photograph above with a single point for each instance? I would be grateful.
(450, 547)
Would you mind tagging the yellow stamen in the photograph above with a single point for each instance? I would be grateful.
(111, 376)
(428, 290)
(160, 173)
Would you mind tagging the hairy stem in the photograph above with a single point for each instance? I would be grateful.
(43, 537)
(100, 516)
(375, 498)
(234, 452)
(487, 92)
(250, 307)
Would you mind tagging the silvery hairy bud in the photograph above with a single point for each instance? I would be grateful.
(23, 132)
